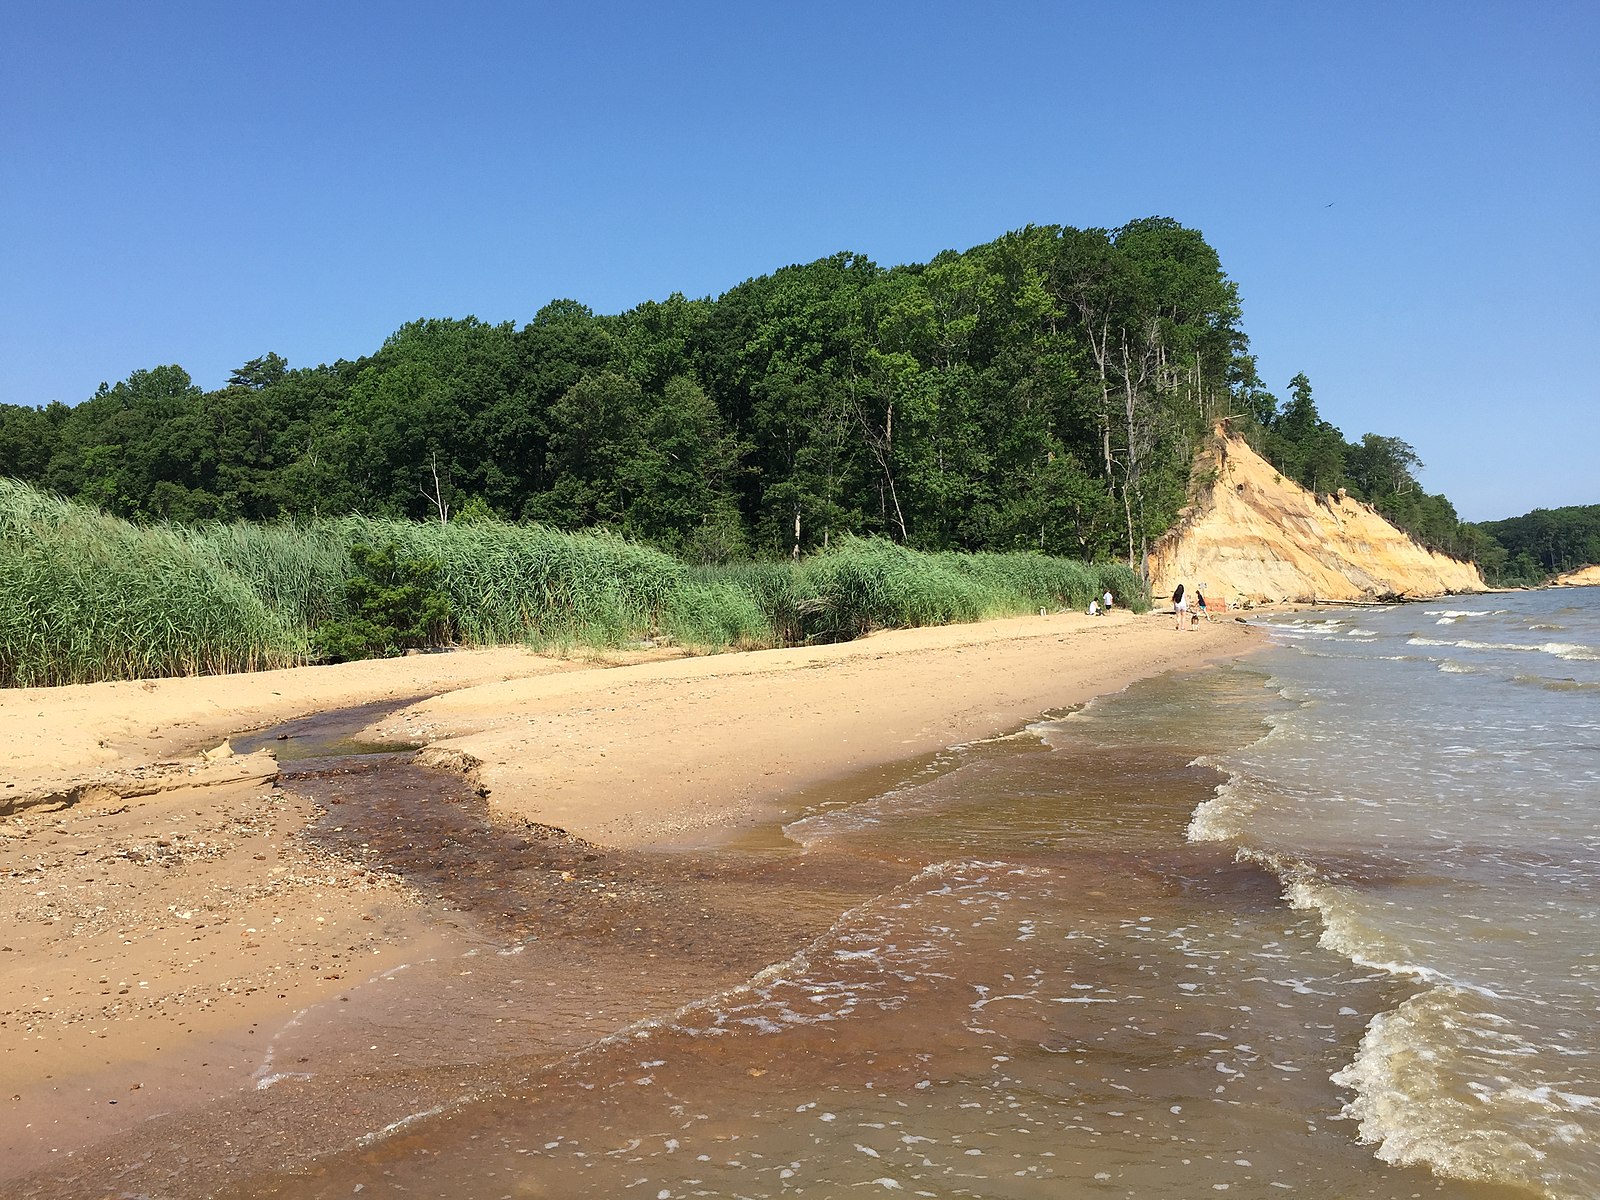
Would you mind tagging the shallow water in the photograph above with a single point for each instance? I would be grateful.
(1432, 798)
(1048, 987)
(1315, 924)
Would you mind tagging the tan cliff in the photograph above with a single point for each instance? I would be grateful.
(1255, 537)
(1583, 577)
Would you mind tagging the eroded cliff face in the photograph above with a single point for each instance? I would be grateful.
(1254, 537)
(1582, 577)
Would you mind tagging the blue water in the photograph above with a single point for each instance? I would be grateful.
(1433, 796)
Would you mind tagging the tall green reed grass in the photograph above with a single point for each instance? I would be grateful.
(85, 597)
(864, 584)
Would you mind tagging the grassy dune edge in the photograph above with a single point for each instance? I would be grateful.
(87, 597)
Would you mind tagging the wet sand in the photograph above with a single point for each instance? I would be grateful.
(210, 975)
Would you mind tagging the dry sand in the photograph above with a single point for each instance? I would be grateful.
(165, 916)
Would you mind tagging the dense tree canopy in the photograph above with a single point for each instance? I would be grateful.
(1544, 542)
(1042, 391)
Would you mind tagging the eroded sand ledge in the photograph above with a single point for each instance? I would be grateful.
(166, 924)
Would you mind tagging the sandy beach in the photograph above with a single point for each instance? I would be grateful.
(169, 917)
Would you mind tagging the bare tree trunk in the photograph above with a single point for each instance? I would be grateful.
(1139, 427)
(1098, 347)
(437, 495)
(883, 452)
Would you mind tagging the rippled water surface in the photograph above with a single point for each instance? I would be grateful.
(1432, 797)
(1315, 925)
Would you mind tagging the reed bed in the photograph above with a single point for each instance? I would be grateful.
(85, 597)
(867, 584)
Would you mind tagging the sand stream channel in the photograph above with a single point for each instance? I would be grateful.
(999, 971)
(522, 947)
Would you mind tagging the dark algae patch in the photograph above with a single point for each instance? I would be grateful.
(532, 945)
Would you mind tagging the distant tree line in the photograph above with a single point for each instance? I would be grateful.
(1545, 542)
(1044, 391)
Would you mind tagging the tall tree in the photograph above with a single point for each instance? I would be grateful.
(683, 476)
(130, 449)
(597, 451)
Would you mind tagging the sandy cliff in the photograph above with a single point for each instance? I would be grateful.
(1254, 537)
(1582, 577)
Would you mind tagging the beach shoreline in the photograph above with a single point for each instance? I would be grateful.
(172, 919)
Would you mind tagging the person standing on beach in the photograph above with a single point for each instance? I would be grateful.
(1180, 605)
(1107, 599)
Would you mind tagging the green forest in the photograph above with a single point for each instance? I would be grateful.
(1545, 542)
(1041, 392)
(833, 447)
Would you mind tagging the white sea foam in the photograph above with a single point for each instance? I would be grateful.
(1344, 932)
(1410, 1101)
(1341, 927)
(1554, 1099)
(1225, 814)
(1569, 650)
(393, 1127)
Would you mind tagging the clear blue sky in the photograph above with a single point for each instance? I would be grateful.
(1407, 194)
